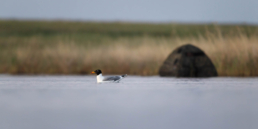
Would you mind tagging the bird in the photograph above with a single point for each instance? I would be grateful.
(102, 79)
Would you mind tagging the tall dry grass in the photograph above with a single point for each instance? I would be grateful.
(232, 56)
(58, 47)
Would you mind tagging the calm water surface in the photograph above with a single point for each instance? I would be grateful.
(78, 102)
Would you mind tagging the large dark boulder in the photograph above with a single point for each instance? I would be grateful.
(188, 61)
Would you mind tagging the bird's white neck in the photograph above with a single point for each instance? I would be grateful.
(99, 78)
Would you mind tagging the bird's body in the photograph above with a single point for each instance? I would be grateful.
(102, 79)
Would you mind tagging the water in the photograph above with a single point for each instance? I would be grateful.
(78, 102)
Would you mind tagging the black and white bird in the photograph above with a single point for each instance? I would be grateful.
(101, 79)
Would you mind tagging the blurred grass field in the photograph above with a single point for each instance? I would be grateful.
(62, 47)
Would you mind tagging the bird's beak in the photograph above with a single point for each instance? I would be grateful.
(92, 72)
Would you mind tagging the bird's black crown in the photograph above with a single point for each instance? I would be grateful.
(98, 71)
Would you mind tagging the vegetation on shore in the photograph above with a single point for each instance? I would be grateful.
(62, 47)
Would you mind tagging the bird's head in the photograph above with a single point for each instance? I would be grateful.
(98, 71)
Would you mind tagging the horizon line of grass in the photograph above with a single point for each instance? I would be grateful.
(121, 29)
